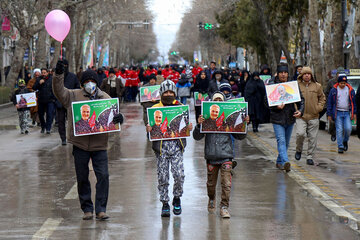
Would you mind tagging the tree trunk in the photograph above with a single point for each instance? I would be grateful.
(41, 49)
(103, 47)
(56, 54)
(328, 51)
(338, 40)
(80, 30)
(2, 72)
(17, 61)
(354, 61)
(315, 57)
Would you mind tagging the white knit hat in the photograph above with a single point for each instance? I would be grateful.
(167, 85)
(37, 70)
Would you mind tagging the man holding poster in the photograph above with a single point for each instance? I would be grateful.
(87, 146)
(283, 118)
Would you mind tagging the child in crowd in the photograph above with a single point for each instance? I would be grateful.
(219, 155)
(22, 109)
(169, 152)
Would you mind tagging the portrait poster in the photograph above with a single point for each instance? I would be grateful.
(169, 122)
(95, 117)
(150, 93)
(200, 97)
(240, 99)
(225, 117)
(282, 93)
(26, 100)
(265, 78)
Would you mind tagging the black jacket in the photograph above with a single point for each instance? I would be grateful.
(254, 95)
(201, 85)
(285, 116)
(19, 91)
(218, 146)
(45, 90)
(70, 82)
(213, 86)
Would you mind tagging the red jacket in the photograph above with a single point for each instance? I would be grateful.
(165, 73)
(132, 79)
(175, 76)
(195, 72)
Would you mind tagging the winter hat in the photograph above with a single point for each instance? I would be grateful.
(87, 75)
(225, 87)
(234, 88)
(167, 85)
(342, 78)
(218, 95)
(66, 62)
(255, 74)
(21, 81)
(304, 71)
(151, 76)
(37, 70)
(282, 68)
(112, 71)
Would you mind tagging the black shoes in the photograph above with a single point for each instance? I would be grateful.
(233, 164)
(279, 166)
(333, 138)
(165, 211)
(287, 166)
(309, 162)
(177, 206)
(63, 142)
(298, 155)
(345, 146)
(340, 150)
(43, 130)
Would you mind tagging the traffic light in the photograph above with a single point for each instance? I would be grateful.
(208, 26)
(173, 53)
(200, 26)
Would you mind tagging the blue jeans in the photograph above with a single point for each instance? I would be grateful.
(343, 127)
(283, 135)
(183, 100)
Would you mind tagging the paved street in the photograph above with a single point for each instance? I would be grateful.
(39, 198)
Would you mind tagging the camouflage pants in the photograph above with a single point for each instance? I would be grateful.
(170, 154)
(23, 120)
(212, 173)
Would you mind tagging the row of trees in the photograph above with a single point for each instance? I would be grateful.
(104, 20)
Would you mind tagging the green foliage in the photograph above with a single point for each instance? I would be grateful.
(4, 95)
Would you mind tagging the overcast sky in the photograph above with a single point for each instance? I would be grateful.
(168, 14)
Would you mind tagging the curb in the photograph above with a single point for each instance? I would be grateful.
(327, 201)
(5, 105)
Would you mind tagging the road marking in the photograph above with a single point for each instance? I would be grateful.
(47, 228)
(72, 194)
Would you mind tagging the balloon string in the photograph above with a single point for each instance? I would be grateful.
(61, 51)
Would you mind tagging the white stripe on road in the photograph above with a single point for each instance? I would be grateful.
(72, 194)
(47, 228)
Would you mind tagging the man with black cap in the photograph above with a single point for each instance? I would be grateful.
(113, 85)
(283, 119)
(215, 82)
(89, 146)
(341, 108)
(70, 82)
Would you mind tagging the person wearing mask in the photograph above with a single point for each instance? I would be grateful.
(21, 106)
(70, 82)
(146, 105)
(89, 146)
(283, 119)
(113, 85)
(215, 82)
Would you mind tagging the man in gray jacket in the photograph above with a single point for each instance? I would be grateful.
(88, 146)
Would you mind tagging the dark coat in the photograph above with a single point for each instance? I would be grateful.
(201, 85)
(19, 91)
(254, 95)
(213, 86)
(45, 90)
(285, 116)
(218, 146)
(70, 82)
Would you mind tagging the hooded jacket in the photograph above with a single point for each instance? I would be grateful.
(313, 95)
(332, 101)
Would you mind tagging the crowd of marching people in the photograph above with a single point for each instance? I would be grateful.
(56, 90)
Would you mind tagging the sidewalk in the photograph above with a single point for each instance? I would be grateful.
(334, 180)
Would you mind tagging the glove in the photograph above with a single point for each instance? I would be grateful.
(59, 67)
(118, 118)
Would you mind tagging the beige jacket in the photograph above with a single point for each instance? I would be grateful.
(314, 99)
(66, 96)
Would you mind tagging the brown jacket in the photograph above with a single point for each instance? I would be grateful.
(66, 96)
(314, 99)
(105, 86)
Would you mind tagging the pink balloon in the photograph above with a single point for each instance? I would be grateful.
(57, 24)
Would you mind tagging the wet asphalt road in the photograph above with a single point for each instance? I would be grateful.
(38, 200)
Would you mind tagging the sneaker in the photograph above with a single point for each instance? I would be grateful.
(47, 132)
(333, 138)
(211, 206)
(63, 142)
(298, 155)
(309, 162)
(224, 213)
(43, 130)
(287, 166)
(279, 166)
(340, 150)
(22, 132)
(345, 146)
(165, 211)
(26, 132)
(87, 216)
(101, 216)
(177, 206)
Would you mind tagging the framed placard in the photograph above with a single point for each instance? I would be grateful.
(150, 93)
(95, 117)
(26, 100)
(200, 97)
(282, 93)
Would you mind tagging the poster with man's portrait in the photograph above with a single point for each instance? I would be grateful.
(225, 117)
(200, 97)
(26, 100)
(265, 78)
(282, 93)
(169, 122)
(95, 117)
(150, 93)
